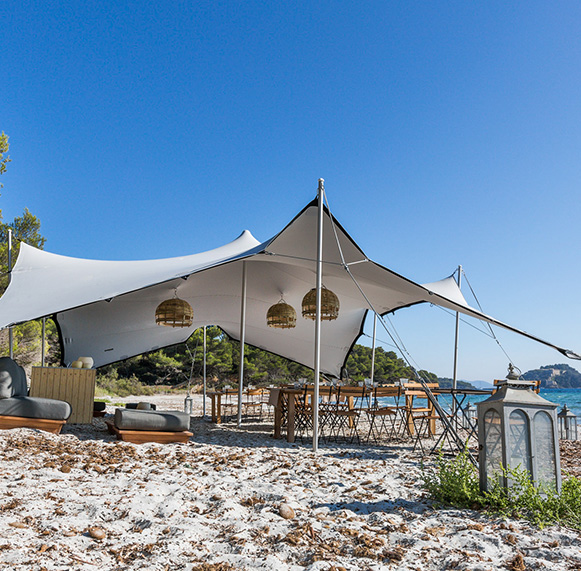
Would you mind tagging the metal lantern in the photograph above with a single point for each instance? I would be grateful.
(281, 315)
(469, 416)
(329, 305)
(567, 424)
(174, 313)
(188, 404)
(517, 427)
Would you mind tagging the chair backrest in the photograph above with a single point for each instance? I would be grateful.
(417, 389)
(414, 391)
(12, 379)
(536, 386)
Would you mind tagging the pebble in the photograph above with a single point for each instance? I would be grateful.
(286, 511)
(97, 533)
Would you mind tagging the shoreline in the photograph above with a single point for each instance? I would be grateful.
(216, 504)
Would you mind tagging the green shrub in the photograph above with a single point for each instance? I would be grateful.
(455, 483)
(124, 387)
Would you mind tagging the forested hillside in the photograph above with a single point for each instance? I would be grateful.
(173, 365)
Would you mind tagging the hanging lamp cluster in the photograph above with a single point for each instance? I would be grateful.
(174, 313)
(281, 315)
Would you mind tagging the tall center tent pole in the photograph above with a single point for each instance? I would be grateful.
(455, 374)
(320, 192)
(204, 401)
(10, 336)
(373, 347)
(242, 334)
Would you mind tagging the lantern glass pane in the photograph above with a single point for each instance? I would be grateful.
(545, 450)
(493, 443)
(519, 452)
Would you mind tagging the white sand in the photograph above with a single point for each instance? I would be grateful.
(215, 504)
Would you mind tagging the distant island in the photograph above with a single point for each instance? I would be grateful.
(555, 377)
(560, 376)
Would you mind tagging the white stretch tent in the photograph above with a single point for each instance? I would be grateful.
(105, 309)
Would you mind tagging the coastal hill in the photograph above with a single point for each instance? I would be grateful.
(555, 377)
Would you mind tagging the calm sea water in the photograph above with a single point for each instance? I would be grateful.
(572, 397)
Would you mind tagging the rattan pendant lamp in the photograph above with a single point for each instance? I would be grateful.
(329, 305)
(174, 312)
(281, 315)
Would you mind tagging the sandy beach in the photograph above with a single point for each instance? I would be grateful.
(239, 499)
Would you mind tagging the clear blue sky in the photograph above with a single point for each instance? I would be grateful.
(447, 133)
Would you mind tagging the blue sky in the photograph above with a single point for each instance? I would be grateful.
(447, 133)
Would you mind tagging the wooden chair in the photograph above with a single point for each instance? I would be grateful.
(536, 386)
(420, 420)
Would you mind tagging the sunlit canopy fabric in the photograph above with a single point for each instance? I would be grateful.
(106, 309)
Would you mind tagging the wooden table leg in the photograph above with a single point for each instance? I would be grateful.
(218, 409)
(409, 403)
(290, 424)
(351, 406)
(278, 415)
(432, 421)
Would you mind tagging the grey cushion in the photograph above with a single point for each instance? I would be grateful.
(156, 420)
(33, 407)
(12, 379)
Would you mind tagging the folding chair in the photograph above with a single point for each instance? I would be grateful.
(252, 404)
(342, 415)
(382, 418)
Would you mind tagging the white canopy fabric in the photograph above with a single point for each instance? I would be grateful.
(106, 309)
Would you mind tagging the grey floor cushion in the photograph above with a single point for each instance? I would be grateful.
(154, 420)
(28, 407)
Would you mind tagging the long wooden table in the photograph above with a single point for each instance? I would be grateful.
(284, 401)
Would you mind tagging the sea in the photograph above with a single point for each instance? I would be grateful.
(571, 397)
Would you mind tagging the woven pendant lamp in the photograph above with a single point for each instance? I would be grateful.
(281, 315)
(329, 305)
(174, 313)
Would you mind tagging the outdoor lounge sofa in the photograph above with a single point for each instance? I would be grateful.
(139, 426)
(18, 410)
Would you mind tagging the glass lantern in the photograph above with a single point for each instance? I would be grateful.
(469, 416)
(518, 428)
(188, 404)
(567, 424)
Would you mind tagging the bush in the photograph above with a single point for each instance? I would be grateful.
(455, 483)
(124, 387)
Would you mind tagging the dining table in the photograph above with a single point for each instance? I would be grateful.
(284, 400)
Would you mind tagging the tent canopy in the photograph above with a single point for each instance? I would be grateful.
(105, 309)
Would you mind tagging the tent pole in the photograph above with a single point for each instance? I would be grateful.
(373, 348)
(242, 334)
(321, 189)
(10, 333)
(455, 374)
(43, 341)
(204, 401)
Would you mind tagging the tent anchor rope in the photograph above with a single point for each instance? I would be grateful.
(431, 397)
